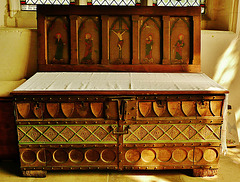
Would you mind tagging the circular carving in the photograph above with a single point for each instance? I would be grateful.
(60, 156)
(76, 156)
(108, 155)
(29, 156)
(48, 156)
(164, 155)
(195, 156)
(132, 155)
(148, 155)
(179, 155)
(44, 156)
(210, 155)
(92, 155)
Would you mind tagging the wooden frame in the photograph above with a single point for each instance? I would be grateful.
(164, 13)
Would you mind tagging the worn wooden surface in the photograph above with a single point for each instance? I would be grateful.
(120, 133)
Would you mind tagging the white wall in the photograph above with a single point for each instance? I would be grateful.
(220, 56)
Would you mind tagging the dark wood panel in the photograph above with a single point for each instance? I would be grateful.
(8, 139)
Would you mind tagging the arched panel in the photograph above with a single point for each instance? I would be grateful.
(120, 41)
(180, 43)
(150, 40)
(58, 42)
(88, 40)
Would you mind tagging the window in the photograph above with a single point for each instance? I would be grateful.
(114, 2)
(31, 5)
(180, 3)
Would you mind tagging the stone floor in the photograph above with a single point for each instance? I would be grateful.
(229, 171)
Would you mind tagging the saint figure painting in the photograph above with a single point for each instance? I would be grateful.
(59, 49)
(178, 47)
(149, 47)
(88, 49)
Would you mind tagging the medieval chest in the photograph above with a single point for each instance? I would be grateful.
(100, 127)
(119, 88)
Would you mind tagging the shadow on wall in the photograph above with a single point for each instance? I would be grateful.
(227, 74)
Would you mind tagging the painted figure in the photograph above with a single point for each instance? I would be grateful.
(149, 47)
(119, 34)
(59, 49)
(120, 38)
(88, 48)
(178, 47)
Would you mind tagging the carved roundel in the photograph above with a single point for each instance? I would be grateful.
(148, 155)
(44, 156)
(29, 156)
(210, 155)
(179, 155)
(76, 156)
(132, 155)
(108, 155)
(92, 155)
(60, 156)
(164, 155)
(195, 155)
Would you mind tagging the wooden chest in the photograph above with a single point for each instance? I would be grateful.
(135, 129)
(153, 114)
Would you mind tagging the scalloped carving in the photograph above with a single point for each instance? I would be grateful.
(203, 108)
(38, 110)
(175, 108)
(189, 108)
(97, 109)
(159, 109)
(23, 109)
(67, 109)
(145, 108)
(53, 109)
(216, 108)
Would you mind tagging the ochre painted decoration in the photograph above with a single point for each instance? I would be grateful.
(88, 40)
(119, 40)
(150, 40)
(58, 40)
(180, 40)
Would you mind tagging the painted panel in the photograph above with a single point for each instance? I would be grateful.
(150, 40)
(120, 44)
(88, 40)
(58, 43)
(180, 41)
